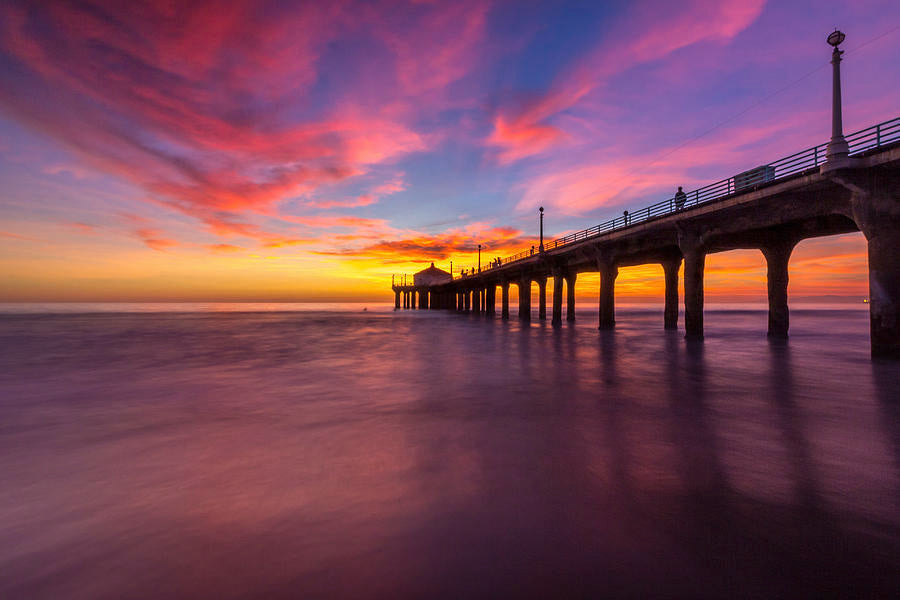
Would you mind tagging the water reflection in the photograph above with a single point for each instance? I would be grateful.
(425, 454)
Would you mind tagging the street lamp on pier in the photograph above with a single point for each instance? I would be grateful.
(837, 147)
(541, 247)
(479, 258)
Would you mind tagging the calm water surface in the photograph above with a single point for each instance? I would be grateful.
(339, 453)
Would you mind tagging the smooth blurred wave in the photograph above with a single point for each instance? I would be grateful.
(270, 452)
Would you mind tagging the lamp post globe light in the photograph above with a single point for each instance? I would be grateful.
(541, 246)
(479, 258)
(835, 38)
(837, 147)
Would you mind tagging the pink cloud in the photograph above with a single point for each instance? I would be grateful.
(452, 37)
(154, 240)
(385, 189)
(204, 105)
(390, 187)
(598, 178)
(82, 228)
(15, 236)
(648, 32)
(74, 170)
(364, 200)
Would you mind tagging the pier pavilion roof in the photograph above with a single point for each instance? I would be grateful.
(431, 276)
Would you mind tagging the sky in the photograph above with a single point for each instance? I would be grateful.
(307, 151)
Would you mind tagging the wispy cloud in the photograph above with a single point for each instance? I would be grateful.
(155, 239)
(647, 32)
(202, 105)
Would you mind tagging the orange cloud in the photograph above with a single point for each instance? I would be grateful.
(459, 244)
(224, 248)
(152, 238)
(14, 236)
(83, 228)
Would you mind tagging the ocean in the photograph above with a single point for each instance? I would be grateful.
(326, 451)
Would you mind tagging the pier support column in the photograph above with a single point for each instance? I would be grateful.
(525, 298)
(777, 256)
(694, 263)
(476, 301)
(671, 268)
(491, 300)
(467, 295)
(884, 289)
(412, 300)
(570, 296)
(459, 301)
(542, 297)
(556, 318)
(423, 299)
(396, 299)
(875, 205)
(876, 211)
(608, 274)
(504, 300)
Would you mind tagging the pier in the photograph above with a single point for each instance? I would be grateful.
(770, 208)
(851, 183)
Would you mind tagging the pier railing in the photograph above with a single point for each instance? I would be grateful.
(876, 136)
(402, 280)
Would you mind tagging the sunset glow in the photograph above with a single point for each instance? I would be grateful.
(281, 151)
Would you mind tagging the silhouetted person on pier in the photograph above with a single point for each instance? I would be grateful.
(532, 250)
(680, 198)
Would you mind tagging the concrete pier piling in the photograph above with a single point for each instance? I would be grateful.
(542, 297)
(777, 255)
(570, 296)
(504, 299)
(556, 318)
(671, 267)
(608, 273)
(694, 264)
(525, 298)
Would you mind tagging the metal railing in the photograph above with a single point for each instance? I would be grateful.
(876, 136)
(402, 280)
